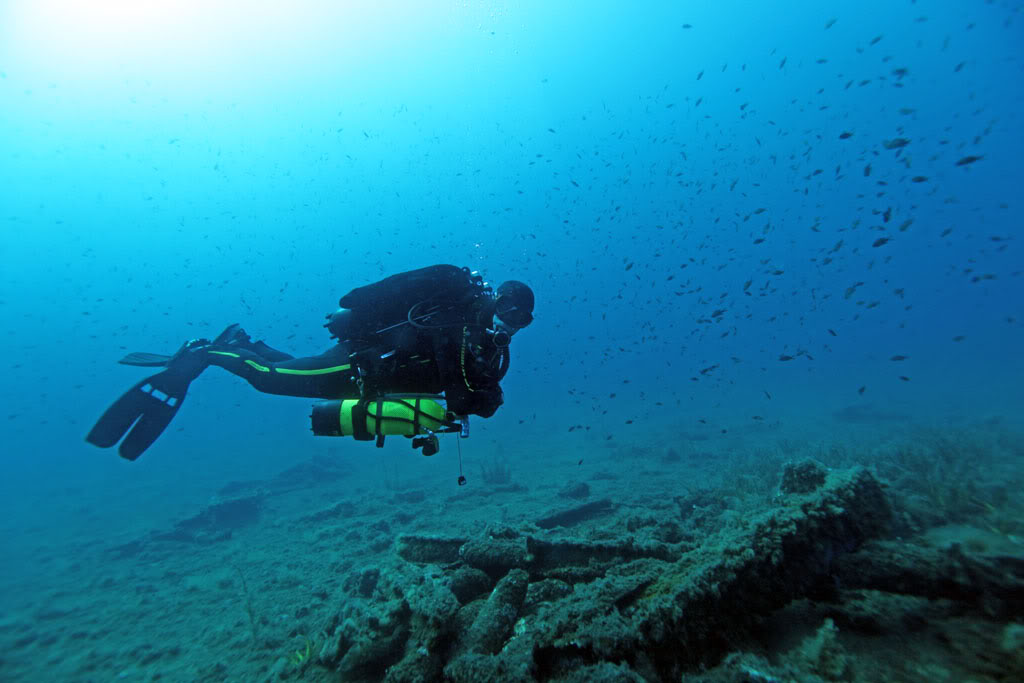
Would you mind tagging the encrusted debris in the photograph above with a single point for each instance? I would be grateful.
(509, 605)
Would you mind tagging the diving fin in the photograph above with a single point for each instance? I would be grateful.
(142, 414)
(146, 410)
(146, 360)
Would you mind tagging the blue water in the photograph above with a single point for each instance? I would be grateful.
(684, 185)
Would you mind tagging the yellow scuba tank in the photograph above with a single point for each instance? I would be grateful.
(369, 419)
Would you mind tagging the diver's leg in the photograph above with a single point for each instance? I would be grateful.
(235, 337)
(329, 375)
(260, 348)
(142, 413)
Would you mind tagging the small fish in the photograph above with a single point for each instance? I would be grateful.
(700, 75)
(580, 462)
(845, 134)
(969, 160)
(895, 143)
(899, 358)
(959, 338)
(904, 378)
(920, 179)
(880, 241)
(767, 394)
(830, 23)
(861, 390)
(785, 357)
(756, 417)
(833, 332)
(551, 130)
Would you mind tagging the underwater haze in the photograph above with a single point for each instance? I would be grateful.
(766, 423)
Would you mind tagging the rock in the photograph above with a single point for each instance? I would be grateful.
(495, 556)
(368, 658)
(805, 476)
(823, 654)
(419, 665)
(577, 491)
(468, 583)
(995, 585)
(541, 592)
(575, 515)
(493, 624)
(683, 613)
(473, 668)
(363, 582)
(603, 672)
(429, 549)
(575, 552)
(432, 602)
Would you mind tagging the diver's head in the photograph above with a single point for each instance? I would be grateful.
(514, 305)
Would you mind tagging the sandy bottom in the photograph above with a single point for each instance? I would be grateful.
(258, 579)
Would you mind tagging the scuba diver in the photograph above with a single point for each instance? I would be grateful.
(404, 344)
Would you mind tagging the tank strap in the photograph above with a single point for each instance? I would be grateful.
(359, 430)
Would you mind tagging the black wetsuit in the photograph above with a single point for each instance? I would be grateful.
(422, 331)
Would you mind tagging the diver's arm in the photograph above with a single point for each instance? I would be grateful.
(329, 375)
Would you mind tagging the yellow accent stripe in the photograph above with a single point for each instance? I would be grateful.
(462, 359)
(286, 371)
(321, 371)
